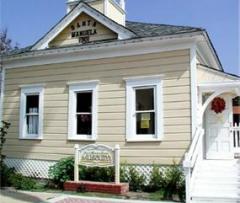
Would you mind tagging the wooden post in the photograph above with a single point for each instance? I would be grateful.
(117, 164)
(187, 173)
(76, 167)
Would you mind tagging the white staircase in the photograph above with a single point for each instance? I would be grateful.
(217, 181)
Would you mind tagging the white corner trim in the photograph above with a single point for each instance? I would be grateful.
(82, 86)
(22, 121)
(2, 94)
(194, 89)
(145, 81)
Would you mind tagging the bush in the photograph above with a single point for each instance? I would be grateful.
(3, 169)
(21, 182)
(6, 172)
(156, 182)
(62, 171)
(133, 177)
(96, 174)
(173, 183)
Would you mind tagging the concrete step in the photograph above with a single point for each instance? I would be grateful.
(218, 183)
(215, 200)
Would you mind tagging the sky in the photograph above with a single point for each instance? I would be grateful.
(28, 20)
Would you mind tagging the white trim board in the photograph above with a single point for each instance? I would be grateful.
(82, 7)
(194, 90)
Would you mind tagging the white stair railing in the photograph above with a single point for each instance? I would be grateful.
(235, 129)
(192, 158)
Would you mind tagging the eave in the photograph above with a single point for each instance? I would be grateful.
(116, 48)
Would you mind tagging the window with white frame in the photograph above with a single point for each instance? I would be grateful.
(82, 110)
(31, 112)
(144, 108)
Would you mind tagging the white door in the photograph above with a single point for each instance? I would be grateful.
(219, 143)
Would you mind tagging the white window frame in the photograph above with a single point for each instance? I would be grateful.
(26, 90)
(74, 88)
(144, 82)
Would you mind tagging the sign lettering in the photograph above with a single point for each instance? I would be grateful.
(96, 155)
(83, 30)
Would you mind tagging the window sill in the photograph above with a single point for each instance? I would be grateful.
(30, 138)
(81, 139)
(144, 140)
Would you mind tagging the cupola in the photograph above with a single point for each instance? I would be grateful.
(113, 9)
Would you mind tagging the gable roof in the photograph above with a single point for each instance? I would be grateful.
(82, 7)
(141, 30)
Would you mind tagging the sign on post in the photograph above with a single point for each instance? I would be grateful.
(97, 156)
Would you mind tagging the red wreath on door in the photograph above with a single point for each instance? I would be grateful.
(218, 105)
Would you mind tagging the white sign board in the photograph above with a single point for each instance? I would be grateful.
(97, 156)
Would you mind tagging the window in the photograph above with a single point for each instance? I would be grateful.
(83, 110)
(145, 113)
(144, 109)
(31, 112)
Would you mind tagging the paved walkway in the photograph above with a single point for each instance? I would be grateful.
(14, 196)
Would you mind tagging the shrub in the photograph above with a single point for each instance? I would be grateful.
(21, 182)
(156, 180)
(6, 172)
(96, 174)
(173, 182)
(3, 169)
(133, 177)
(62, 171)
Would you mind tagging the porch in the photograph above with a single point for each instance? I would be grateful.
(212, 164)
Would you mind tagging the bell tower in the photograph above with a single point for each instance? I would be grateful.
(114, 9)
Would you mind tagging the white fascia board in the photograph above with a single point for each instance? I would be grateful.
(205, 87)
(207, 53)
(107, 50)
(122, 32)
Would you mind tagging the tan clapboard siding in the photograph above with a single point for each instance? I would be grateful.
(174, 68)
(107, 122)
(124, 159)
(113, 138)
(204, 75)
(106, 130)
(65, 38)
(11, 142)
